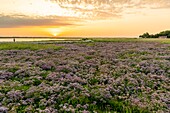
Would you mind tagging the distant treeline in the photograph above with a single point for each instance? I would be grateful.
(163, 33)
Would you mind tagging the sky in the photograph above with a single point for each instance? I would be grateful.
(83, 18)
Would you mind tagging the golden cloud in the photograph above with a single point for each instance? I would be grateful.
(108, 8)
(10, 21)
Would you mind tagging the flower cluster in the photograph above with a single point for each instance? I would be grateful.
(87, 77)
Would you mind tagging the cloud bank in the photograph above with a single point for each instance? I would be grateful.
(84, 10)
(109, 8)
(11, 21)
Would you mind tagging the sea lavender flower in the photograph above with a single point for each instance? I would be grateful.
(45, 65)
(15, 95)
(3, 110)
(6, 75)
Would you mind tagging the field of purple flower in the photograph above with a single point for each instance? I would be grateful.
(90, 77)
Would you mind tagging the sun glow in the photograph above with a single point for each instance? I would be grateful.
(54, 31)
(33, 8)
(51, 9)
(55, 34)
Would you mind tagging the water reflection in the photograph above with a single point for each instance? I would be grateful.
(26, 39)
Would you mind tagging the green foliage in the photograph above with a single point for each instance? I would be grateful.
(65, 70)
(23, 88)
(88, 57)
(115, 40)
(163, 33)
(45, 74)
(21, 109)
(145, 35)
(131, 54)
(84, 39)
(13, 70)
(29, 46)
(5, 89)
(93, 81)
(118, 73)
(36, 82)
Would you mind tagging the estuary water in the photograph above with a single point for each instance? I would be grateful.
(28, 39)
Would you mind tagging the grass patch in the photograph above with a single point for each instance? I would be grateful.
(132, 54)
(29, 46)
(23, 88)
(14, 69)
(90, 44)
(65, 70)
(88, 57)
(115, 39)
(164, 41)
(36, 82)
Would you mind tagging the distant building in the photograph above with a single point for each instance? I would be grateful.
(163, 37)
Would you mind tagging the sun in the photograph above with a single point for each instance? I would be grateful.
(54, 31)
(55, 34)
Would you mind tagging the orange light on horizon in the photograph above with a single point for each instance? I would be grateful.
(54, 31)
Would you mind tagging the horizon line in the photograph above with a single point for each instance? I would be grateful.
(69, 37)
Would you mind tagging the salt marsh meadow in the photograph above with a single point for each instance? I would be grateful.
(86, 76)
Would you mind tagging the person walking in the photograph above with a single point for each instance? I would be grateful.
(13, 39)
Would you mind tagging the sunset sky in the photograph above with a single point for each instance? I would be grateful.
(108, 18)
